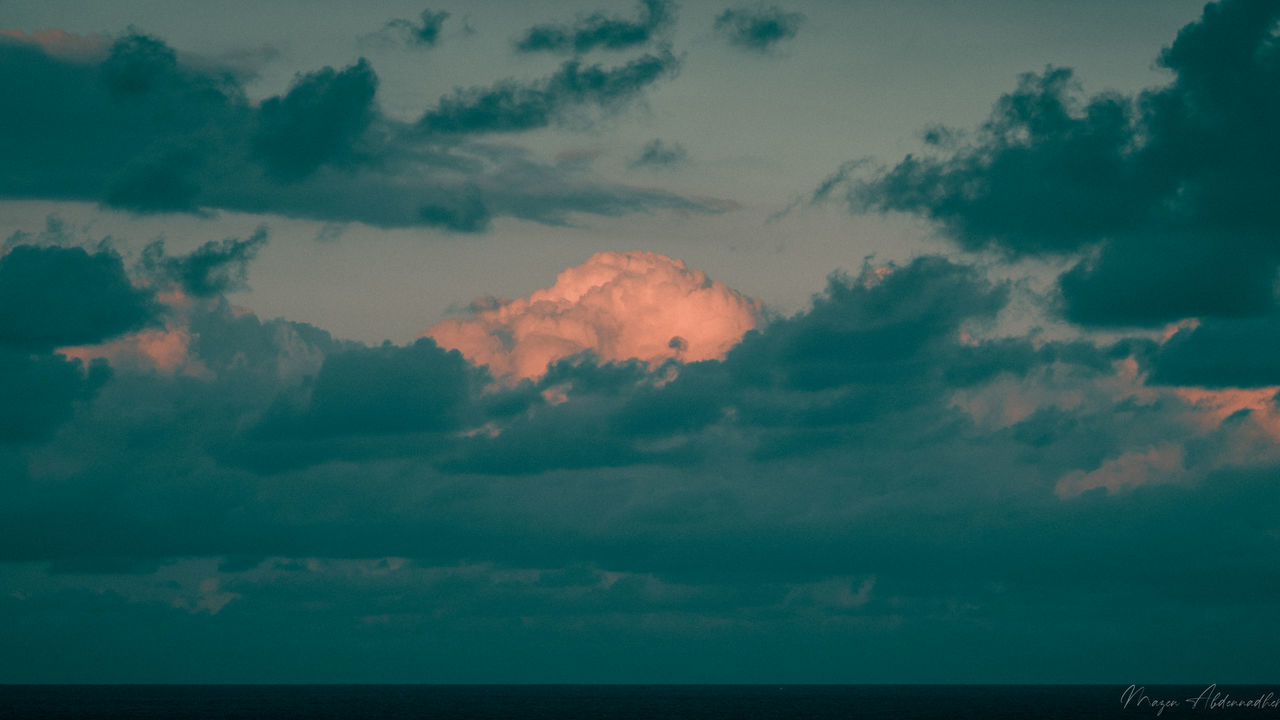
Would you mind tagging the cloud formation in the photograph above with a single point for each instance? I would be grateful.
(52, 296)
(139, 129)
(1164, 194)
(618, 306)
(426, 31)
(599, 31)
(510, 106)
(880, 465)
(758, 29)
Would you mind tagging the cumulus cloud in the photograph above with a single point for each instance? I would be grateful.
(599, 31)
(141, 129)
(618, 306)
(317, 121)
(1209, 354)
(1164, 194)
(758, 29)
(53, 296)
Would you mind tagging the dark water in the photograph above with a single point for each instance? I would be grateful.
(622, 702)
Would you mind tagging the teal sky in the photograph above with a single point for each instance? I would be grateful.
(872, 342)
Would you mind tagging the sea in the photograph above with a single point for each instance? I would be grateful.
(625, 702)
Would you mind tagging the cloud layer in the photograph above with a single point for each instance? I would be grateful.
(638, 456)
(880, 466)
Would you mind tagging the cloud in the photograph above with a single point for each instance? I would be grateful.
(1163, 194)
(39, 392)
(138, 128)
(758, 29)
(426, 32)
(598, 31)
(618, 306)
(1156, 464)
(379, 390)
(658, 154)
(1221, 353)
(884, 466)
(212, 269)
(318, 121)
(52, 296)
(509, 106)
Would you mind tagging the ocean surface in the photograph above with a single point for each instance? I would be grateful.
(623, 702)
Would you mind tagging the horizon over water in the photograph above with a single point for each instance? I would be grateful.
(626, 701)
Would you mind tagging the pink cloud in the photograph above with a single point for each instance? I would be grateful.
(166, 350)
(620, 305)
(1154, 465)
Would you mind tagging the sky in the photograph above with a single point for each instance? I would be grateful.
(859, 342)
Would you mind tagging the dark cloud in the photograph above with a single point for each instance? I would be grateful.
(658, 154)
(49, 297)
(880, 466)
(1221, 353)
(138, 129)
(1166, 192)
(509, 106)
(758, 28)
(426, 31)
(39, 392)
(380, 390)
(318, 121)
(598, 31)
(214, 268)
(52, 296)
(464, 212)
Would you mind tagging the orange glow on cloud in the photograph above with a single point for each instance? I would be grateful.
(1214, 406)
(1153, 465)
(620, 305)
(165, 350)
(61, 43)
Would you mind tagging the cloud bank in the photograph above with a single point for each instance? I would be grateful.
(880, 466)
